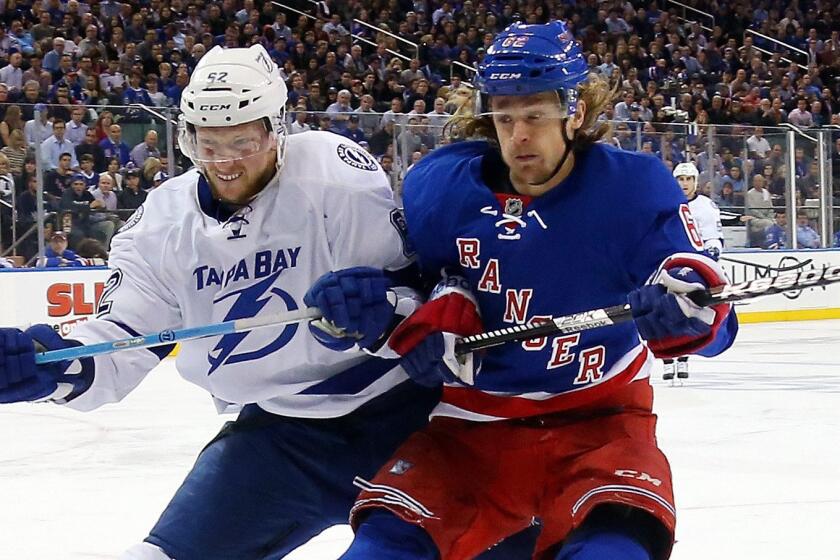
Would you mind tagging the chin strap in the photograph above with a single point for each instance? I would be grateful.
(570, 147)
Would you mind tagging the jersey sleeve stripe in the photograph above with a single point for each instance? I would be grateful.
(353, 380)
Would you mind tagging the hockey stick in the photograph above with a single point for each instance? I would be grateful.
(179, 335)
(769, 268)
(603, 317)
(561, 325)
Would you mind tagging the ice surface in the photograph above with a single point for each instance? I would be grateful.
(752, 437)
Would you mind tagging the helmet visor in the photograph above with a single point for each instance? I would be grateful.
(210, 149)
(546, 107)
(228, 144)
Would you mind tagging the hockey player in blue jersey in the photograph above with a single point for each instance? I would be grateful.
(536, 221)
(255, 228)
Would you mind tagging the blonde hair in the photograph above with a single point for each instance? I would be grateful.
(596, 93)
(17, 136)
(151, 166)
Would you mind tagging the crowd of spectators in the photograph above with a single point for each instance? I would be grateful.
(381, 73)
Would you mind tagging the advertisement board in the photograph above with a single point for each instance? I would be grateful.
(800, 305)
(59, 297)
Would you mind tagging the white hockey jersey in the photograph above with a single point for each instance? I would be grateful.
(706, 215)
(177, 265)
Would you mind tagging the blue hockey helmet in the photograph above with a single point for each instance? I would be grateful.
(526, 59)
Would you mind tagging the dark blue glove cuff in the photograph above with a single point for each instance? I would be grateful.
(659, 316)
(81, 379)
(21, 379)
(424, 364)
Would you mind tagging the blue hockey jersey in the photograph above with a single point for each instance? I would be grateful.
(582, 245)
(775, 237)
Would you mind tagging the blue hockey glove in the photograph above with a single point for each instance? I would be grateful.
(426, 339)
(433, 362)
(663, 312)
(23, 380)
(356, 307)
(714, 252)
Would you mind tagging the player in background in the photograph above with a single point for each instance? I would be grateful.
(705, 212)
(535, 223)
(706, 216)
(248, 231)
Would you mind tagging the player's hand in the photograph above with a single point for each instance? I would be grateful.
(714, 252)
(663, 311)
(21, 379)
(355, 305)
(433, 362)
(426, 339)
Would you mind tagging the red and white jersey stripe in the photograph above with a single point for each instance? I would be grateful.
(485, 406)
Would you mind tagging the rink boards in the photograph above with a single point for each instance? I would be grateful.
(63, 297)
(59, 297)
(801, 305)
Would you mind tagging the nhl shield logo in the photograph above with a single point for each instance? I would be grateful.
(513, 207)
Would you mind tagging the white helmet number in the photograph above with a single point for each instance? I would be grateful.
(516, 42)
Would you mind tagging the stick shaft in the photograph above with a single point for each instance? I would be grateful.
(561, 325)
(595, 318)
(180, 335)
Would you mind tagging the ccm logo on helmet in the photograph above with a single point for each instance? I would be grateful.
(505, 76)
(213, 107)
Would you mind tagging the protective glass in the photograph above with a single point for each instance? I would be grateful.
(215, 145)
(546, 109)
(532, 117)
(510, 109)
(211, 147)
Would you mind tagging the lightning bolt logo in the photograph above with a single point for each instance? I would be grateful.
(249, 302)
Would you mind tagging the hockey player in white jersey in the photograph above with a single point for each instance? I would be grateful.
(707, 219)
(705, 212)
(256, 227)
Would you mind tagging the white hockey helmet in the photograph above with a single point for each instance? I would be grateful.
(230, 87)
(686, 169)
